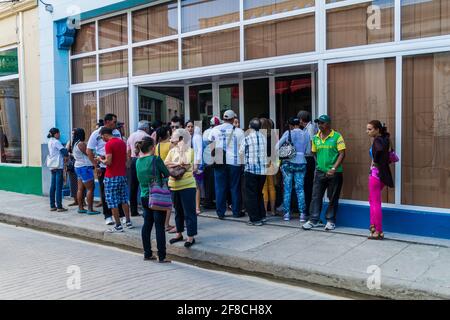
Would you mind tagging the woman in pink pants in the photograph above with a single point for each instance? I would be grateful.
(380, 175)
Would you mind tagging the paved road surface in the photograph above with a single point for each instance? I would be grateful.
(37, 265)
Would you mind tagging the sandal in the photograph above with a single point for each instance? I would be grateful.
(376, 236)
(169, 227)
(82, 211)
(198, 211)
(173, 230)
(175, 240)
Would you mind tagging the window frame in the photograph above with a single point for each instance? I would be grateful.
(22, 101)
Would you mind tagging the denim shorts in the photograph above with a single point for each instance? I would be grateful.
(85, 174)
(116, 191)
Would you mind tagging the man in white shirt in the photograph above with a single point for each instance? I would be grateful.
(227, 168)
(96, 147)
(132, 156)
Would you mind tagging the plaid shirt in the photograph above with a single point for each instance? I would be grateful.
(254, 149)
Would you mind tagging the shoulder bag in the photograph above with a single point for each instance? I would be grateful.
(287, 150)
(160, 197)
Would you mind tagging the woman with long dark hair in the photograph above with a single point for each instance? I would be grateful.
(151, 168)
(55, 162)
(84, 169)
(162, 150)
(380, 175)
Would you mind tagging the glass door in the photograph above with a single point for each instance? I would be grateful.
(229, 98)
(292, 94)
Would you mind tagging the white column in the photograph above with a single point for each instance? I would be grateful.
(398, 127)
(322, 87)
(187, 112)
(241, 102)
(272, 100)
(216, 99)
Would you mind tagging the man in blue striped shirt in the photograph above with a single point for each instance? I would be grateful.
(254, 150)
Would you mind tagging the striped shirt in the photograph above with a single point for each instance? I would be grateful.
(254, 149)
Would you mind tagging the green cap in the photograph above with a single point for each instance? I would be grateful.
(323, 118)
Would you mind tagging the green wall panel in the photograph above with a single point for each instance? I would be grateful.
(21, 179)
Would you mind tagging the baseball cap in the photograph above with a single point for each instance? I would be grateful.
(229, 114)
(215, 121)
(323, 118)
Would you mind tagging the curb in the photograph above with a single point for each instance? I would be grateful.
(313, 274)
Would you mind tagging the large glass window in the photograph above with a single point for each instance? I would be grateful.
(425, 18)
(201, 14)
(84, 70)
(280, 37)
(201, 104)
(361, 24)
(113, 32)
(359, 92)
(10, 128)
(155, 22)
(259, 8)
(211, 48)
(113, 65)
(155, 58)
(116, 101)
(256, 100)
(85, 39)
(84, 111)
(426, 130)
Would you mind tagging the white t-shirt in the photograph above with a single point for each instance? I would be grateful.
(221, 135)
(97, 144)
(54, 151)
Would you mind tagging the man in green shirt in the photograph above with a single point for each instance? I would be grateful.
(329, 148)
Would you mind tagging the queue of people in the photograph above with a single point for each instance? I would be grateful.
(195, 169)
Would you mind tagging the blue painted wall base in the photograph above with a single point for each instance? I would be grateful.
(418, 223)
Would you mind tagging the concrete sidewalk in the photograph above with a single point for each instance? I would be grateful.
(411, 268)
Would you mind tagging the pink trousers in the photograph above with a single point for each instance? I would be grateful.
(375, 188)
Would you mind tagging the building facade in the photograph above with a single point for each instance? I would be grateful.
(355, 60)
(20, 114)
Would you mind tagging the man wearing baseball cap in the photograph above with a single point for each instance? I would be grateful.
(227, 167)
(329, 147)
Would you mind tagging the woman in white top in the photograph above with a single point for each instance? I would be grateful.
(84, 169)
(55, 162)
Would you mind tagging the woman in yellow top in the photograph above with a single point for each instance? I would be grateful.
(162, 150)
(183, 189)
(163, 142)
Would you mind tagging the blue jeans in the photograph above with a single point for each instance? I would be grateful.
(293, 173)
(228, 177)
(56, 188)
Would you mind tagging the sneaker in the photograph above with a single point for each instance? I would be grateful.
(53, 209)
(263, 220)
(62, 209)
(129, 225)
(330, 226)
(109, 221)
(303, 218)
(287, 217)
(123, 220)
(116, 229)
(255, 223)
(309, 225)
